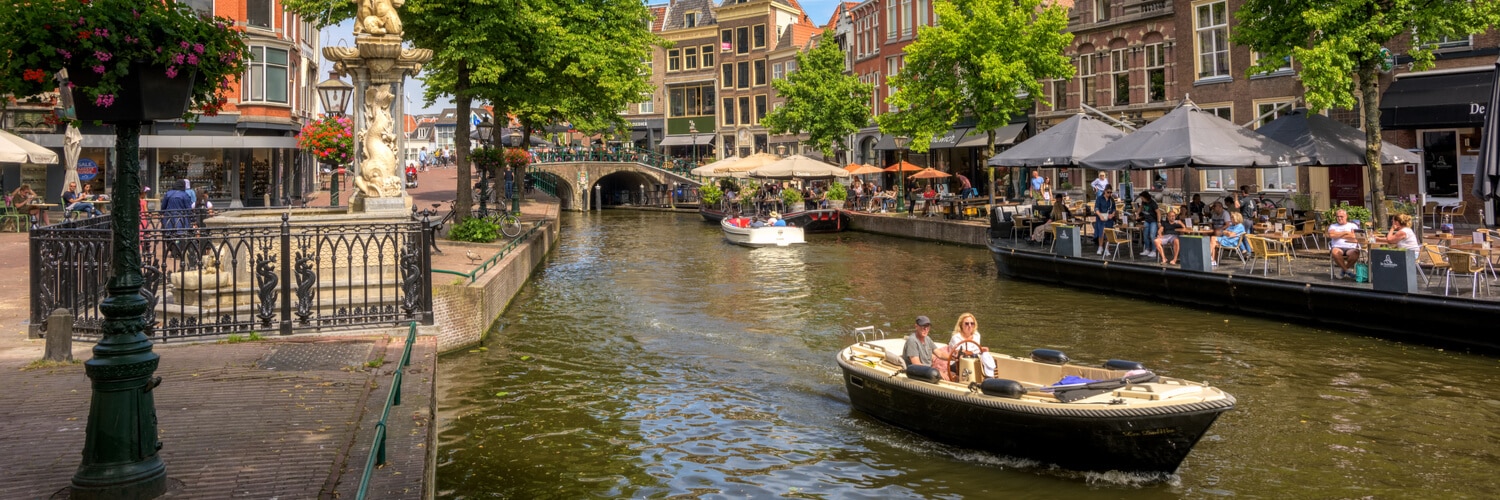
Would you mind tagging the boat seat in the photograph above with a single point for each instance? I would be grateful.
(1091, 373)
(1027, 371)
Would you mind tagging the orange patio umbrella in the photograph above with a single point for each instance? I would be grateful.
(902, 166)
(865, 170)
(851, 167)
(929, 173)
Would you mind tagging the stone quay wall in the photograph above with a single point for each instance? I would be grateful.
(465, 311)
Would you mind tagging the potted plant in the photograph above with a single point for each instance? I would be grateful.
(791, 198)
(1357, 215)
(127, 60)
(1302, 203)
(836, 195)
(330, 139)
(710, 194)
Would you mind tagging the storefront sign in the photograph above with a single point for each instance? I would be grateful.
(87, 169)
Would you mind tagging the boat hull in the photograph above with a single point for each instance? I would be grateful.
(757, 237)
(826, 220)
(1136, 440)
(711, 215)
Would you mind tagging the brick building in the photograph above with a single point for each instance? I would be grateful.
(688, 82)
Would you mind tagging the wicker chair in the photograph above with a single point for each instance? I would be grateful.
(1431, 257)
(1119, 239)
(1466, 265)
(1262, 250)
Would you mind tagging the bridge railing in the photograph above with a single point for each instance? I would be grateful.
(615, 154)
(543, 183)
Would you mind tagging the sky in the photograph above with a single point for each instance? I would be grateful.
(343, 34)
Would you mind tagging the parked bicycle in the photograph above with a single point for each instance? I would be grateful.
(509, 222)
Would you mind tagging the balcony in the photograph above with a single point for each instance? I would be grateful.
(1120, 13)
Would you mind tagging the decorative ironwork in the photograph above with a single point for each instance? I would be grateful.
(151, 277)
(306, 279)
(411, 278)
(265, 288)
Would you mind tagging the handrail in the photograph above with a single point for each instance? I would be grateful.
(393, 398)
(543, 182)
(474, 274)
(620, 155)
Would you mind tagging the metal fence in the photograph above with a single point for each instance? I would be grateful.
(613, 154)
(206, 280)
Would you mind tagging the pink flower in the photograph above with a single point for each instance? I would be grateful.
(105, 100)
(101, 32)
(198, 47)
(102, 56)
(171, 72)
(80, 21)
(65, 54)
(192, 59)
(183, 44)
(177, 58)
(99, 69)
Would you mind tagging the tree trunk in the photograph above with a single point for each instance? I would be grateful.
(1370, 98)
(989, 151)
(465, 194)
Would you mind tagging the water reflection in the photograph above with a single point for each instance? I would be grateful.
(650, 358)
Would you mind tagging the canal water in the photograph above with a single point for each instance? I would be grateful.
(649, 358)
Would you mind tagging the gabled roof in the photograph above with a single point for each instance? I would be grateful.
(797, 34)
(676, 12)
(658, 17)
(838, 11)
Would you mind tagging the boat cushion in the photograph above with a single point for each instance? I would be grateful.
(924, 373)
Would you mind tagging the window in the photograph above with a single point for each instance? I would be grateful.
(1212, 22)
(905, 18)
(922, 10)
(1267, 111)
(647, 107)
(690, 58)
(1350, 117)
(266, 76)
(760, 72)
(776, 73)
(258, 13)
(892, 66)
(204, 6)
(729, 111)
(1101, 11)
(744, 110)
(742, 40)
(1086, 82)
(708, 56)
(759, 36)
(760, 108)
(678, 101)
(1226, 112)
(1156, 73)
(1285, 68)
(1059, 94)
(791, 66)
(890, 21)
(743, 80)
(690, 20)
(726, 40)
(1119, 66)
(1218, 179)
(674, 60)
(1449, 42)
(726, 80)
(694, 100)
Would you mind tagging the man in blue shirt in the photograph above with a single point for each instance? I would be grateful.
(1104, 216)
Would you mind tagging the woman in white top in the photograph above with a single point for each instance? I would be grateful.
(1401, 234)
(966, 341)
(1046, 194)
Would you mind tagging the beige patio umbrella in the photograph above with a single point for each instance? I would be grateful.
(798, 167)
(14, 149)
(708, 170)
(748, 163)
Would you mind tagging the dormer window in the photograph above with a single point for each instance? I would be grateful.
(690, 20)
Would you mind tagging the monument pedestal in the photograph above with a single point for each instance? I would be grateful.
(389, 206)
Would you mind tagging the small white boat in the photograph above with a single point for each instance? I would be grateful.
(740, 231)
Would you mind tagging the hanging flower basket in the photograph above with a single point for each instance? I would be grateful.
(127, 60)
(329, 138)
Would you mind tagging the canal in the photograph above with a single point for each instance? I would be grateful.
(649, 358)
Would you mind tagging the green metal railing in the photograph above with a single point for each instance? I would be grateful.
(474, 274)
(619, 154)
(377, 448)
(543, 183)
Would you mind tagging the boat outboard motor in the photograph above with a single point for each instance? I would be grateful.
(1002, 388)
(1049, 356)
(1120, 364)
(924, 373)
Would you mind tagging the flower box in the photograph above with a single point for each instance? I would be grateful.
(145, 94)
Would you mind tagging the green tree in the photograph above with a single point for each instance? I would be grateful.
(985, 59)
(1338, 46)
(821, 99)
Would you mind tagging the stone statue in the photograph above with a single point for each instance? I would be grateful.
(377, 168)
(378, 17)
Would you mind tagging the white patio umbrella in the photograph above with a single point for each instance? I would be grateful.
(72, 149)
(798, 167)
(14, 149)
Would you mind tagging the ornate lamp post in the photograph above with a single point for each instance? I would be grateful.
(518, 178)
(335, 95)
(901, 142)
(486, 132)
(693, 130)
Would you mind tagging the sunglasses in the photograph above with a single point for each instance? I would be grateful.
(968, 323)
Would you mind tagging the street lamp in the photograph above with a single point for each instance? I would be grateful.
(518, 179)
(486, 129)
(693, 130)
(335, 95)
(901, 142)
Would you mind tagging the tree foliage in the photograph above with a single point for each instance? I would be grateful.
(1337, 47)
(821, 99)
(984, 59)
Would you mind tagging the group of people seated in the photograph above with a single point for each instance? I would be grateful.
(921, 350)
(773, 219)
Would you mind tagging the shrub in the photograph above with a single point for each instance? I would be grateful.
(836, 192)
(475, 230)
(710, 193)
(791, 197)
(1360, 214)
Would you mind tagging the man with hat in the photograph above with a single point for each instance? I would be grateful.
(920, 349)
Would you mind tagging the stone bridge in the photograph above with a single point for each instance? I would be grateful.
(576, 179)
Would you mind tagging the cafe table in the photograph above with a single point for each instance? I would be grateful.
(1282, 239)
(1489, 251)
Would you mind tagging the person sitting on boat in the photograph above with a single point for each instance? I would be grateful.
(965, 341)
(775, 220)
(920, 350)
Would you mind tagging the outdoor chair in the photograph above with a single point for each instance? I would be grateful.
(1466, 265)
(1118, 239)
(1051, 233)
(10, 215)
(1431, 257)
(1237, 249)
(1431, 210)
(1307, 230)
(1261, 248)
(1459, 210)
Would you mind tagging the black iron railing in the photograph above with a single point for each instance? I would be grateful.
(203, 280)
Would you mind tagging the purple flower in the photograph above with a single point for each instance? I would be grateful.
(198, 47)
(102, 56)
(177, 58)
(192, 59)
(99, 69)
(101, 32)
(184, 45)
(80, 21)
(105, 100)
(65, 54)
(171, 72)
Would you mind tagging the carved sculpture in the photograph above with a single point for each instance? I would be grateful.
(377, 168)
(378, 17)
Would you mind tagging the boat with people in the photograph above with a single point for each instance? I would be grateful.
(1116, 417)
(771, 232)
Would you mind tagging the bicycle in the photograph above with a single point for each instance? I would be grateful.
(509, 223)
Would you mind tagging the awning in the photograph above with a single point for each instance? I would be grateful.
(949, 139)
(636, 135)
(686, 140)
(1437, 101)
(1004, 136)
(887, 142)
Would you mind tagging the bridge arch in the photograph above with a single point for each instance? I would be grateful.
(578, 179)
(565, 191)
